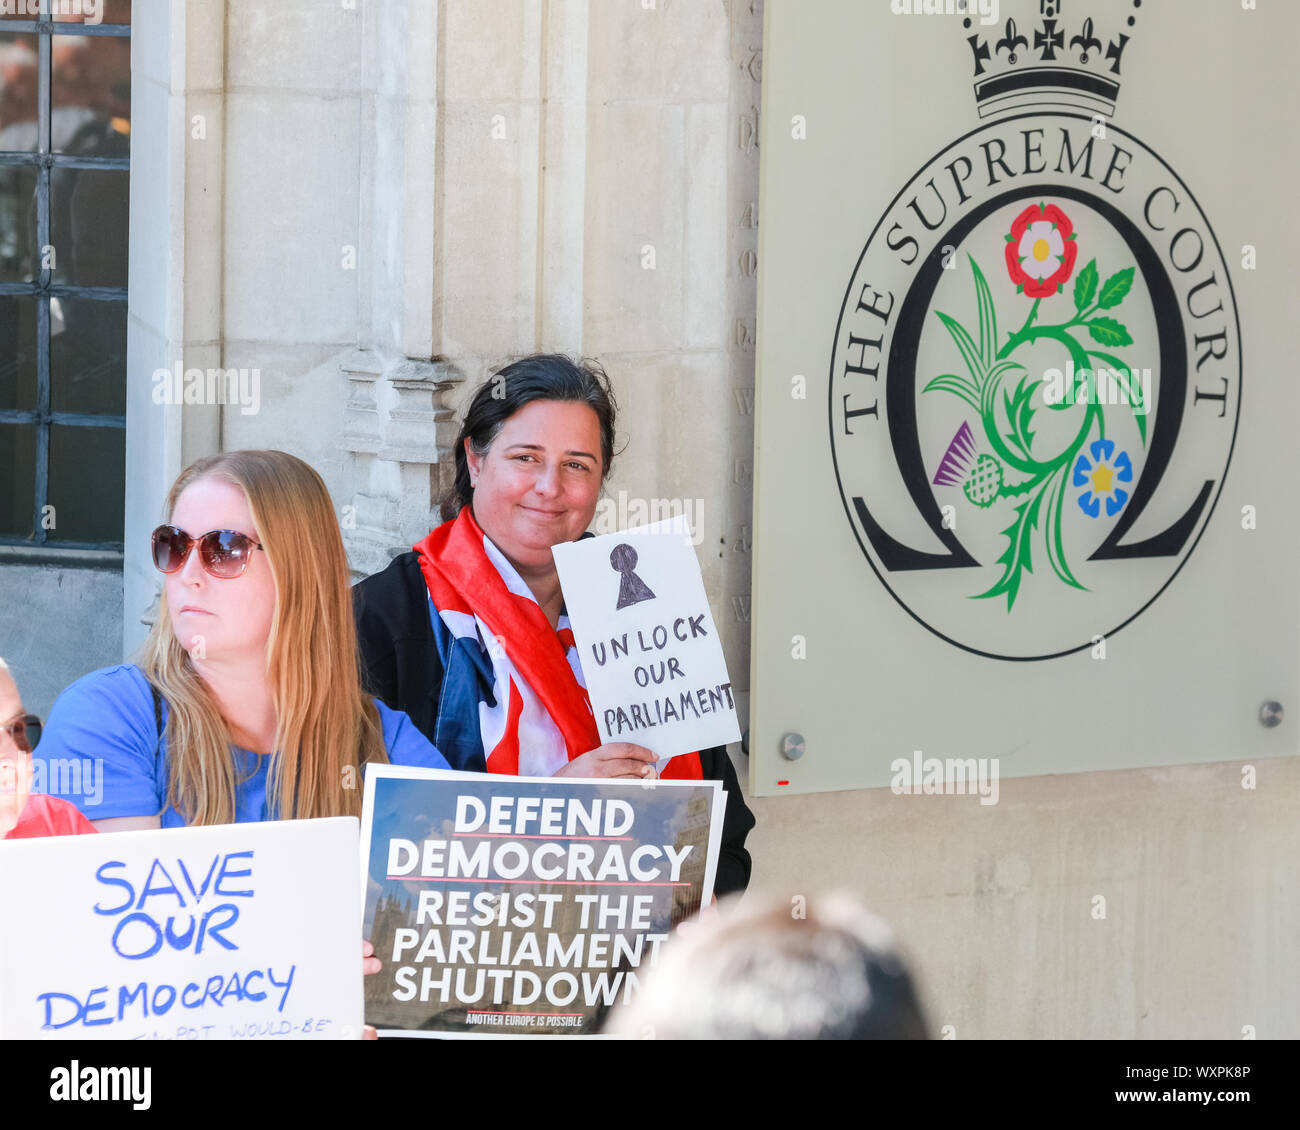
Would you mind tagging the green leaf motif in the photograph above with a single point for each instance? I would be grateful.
(970, 352)
(1024, 414)
(1085, 286)
(982, 366)
(1107, 331)
(988, 318)
(1055, 543)
(958, 386)
(1016, 559)
(1115, 288)
(992, 382)
(1020, 412)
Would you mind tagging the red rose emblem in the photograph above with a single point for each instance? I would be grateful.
(1041, 250)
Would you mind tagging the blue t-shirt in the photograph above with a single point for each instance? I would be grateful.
(100, 750)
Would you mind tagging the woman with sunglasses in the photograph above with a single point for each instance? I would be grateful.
(247, 703)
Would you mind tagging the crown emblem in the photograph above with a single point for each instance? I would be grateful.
(1050, 63)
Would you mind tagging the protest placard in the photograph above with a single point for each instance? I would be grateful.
(524, 905)
(650, 652)
(240, 931)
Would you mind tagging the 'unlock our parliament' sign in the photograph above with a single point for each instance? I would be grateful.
(650, 651)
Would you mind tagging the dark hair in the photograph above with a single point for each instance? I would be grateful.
(540, 376)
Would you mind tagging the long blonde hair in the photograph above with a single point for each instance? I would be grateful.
(326, 728)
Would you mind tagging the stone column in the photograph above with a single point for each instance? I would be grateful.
(178, 83)
(402, 453)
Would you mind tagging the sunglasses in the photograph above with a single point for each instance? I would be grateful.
(223, 553)
(24, 732)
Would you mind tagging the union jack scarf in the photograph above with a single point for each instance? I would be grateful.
(513, 692)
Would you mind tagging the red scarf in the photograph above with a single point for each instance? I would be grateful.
(462, 578)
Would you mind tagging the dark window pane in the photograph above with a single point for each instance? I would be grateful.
(18, 259)
(87, 356)
(110, 12)
(90, 95)
(87, 470)
(17, 479)
(88, 225)
(17, 353)
(17, 92)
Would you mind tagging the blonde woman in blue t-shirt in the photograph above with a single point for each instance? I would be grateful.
(247, 702)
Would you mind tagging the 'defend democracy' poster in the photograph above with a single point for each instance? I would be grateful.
(509, 906)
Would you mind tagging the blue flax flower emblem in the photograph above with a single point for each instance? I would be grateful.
(1101, 475)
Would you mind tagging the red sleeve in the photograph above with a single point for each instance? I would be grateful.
(49, 816)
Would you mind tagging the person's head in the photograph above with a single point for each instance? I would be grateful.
(13, 719)
(778, 969)
(269, 587)
(220, 603)
(535, 446)
(15, 750)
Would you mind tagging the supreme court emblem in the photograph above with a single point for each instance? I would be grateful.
(1036, 373)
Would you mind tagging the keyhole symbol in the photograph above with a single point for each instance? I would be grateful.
(632, 589)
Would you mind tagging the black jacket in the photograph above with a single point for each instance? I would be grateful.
(400, 666)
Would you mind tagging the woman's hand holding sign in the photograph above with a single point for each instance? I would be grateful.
(613, 759)
(369, 964)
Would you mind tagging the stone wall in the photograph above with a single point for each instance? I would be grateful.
(60, 623)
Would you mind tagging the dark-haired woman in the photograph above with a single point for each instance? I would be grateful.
(467, 634)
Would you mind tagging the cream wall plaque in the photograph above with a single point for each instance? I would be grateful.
(1025, 424)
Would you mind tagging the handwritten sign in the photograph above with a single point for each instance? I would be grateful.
(241, 931)
(524, 905)
(650, 652)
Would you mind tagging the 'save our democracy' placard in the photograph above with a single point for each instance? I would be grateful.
(241, 931)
